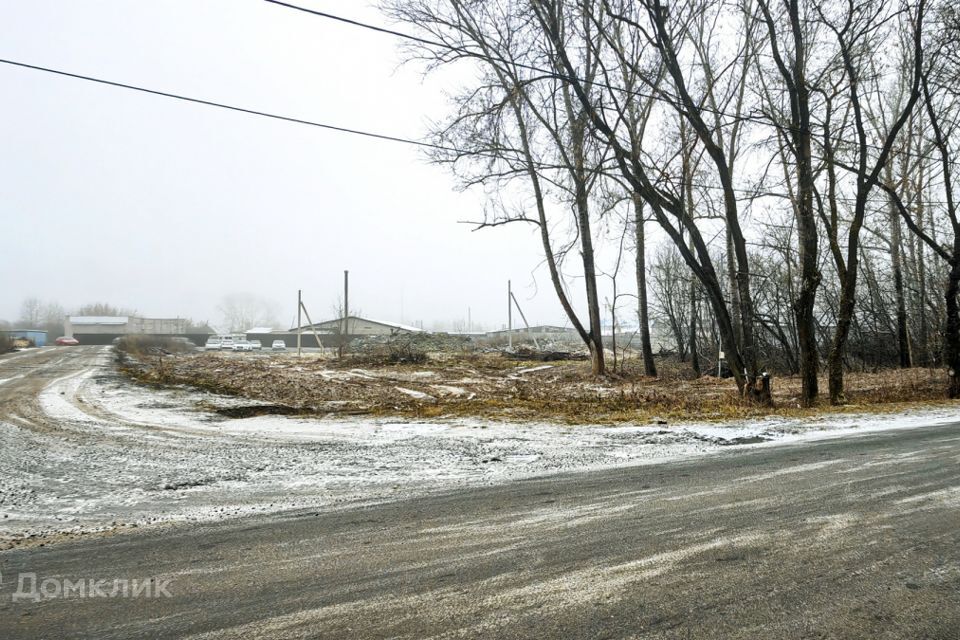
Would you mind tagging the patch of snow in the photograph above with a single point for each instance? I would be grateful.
(449, 390)
(419, 395)
(533, 369)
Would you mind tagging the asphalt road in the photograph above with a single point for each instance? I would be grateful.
(855, 537)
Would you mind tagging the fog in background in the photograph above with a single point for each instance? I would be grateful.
(168, 208)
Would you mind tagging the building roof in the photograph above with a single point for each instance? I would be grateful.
(540, 328)
(117, 320)
(395, 325)
(260, 330)
(385, 323)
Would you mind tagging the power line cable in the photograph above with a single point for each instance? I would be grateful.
(480, 55)
(221, 105)
(753, 194)
(546, 72)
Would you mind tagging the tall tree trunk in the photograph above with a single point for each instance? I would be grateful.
(649, 366)
(589, 268)
(688, 203)
(590, 281)
(805, 301)
(924, 331)
(736, 311)
(896, 262)
(694, 342)
(794, 76)
(951, 344)
(839, 344)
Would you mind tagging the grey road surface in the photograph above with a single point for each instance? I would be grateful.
(853, 537)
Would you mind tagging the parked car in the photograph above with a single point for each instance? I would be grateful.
(64, 341)
(242, 345)
(256, 345)
(227, 342)
(279, 345)
(213, 344)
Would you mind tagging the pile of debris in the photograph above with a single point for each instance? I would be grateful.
(412, 343)
(544, 354)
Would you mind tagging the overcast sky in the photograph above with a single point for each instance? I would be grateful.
(167, 207)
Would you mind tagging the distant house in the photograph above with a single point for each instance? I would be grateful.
(357, 326)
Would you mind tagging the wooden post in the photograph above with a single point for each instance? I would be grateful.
(345, 324)
(509, 315)
(525, 323)
(313, 327)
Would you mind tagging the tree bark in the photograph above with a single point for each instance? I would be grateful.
(896, 262)
(632, 168)
(866, 179)
(582, 204)
(694, 342)
(794, 77)
(643, 315)
(951, 343)
(922, 281)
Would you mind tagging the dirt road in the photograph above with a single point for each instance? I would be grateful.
(847, 538)
(83, 450)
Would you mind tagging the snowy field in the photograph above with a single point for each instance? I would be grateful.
(98, 452)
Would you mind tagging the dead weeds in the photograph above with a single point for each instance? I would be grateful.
(492, 387)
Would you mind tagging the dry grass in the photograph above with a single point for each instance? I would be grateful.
(141, 346)
(489, 386)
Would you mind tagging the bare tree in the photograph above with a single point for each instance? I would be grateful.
(102, 309)
(605, 109)
(791, 63)
(942, 109)
(240, 312)
(857, 29)
(518, 123)
(31, 313)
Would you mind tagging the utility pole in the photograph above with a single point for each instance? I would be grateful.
(299, 322)
(509, 315)
(345, 329)
(525, 323)
(469, 321)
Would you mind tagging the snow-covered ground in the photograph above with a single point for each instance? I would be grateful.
(100, 452)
